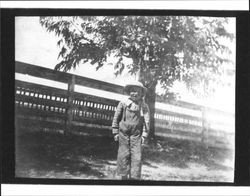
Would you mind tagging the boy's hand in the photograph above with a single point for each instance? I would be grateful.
(116, 137)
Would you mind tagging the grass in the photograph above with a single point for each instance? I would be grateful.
(44, 155)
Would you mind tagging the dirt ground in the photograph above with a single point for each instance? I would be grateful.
(43, 155)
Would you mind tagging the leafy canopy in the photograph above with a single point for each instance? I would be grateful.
(163, 49)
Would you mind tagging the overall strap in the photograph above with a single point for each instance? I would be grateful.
(124, 112)
(141, 110)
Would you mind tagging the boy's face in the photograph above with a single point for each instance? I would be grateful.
(135, 93)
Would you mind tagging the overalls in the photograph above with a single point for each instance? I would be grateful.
(129, 152)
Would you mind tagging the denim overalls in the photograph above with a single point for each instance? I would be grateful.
(130, 118)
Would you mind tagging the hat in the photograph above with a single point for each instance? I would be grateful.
(137, 84)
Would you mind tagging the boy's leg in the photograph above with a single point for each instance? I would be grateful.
(123, 158)
(136, 158)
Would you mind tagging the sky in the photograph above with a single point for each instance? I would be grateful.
(34, 45)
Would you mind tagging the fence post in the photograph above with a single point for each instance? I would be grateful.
(204, 132)
(71, 88)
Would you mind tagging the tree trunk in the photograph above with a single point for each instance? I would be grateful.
(150, 100)
(148, 80)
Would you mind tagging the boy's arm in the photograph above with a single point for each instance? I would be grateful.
(117, 118)
(146, 115)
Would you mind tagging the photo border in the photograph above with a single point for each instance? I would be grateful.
(242, 143)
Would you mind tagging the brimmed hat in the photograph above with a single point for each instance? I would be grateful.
(137, 84)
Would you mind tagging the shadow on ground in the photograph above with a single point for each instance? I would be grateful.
(179, 153)
(47, 155)
(74, 155)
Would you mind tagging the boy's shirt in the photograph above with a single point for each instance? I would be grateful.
(144, 111)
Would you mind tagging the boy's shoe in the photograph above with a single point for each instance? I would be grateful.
(124, 177)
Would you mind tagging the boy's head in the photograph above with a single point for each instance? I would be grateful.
(135, 90)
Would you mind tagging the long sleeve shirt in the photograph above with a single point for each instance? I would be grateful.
(144, 111)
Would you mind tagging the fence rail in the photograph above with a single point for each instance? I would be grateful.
(64, 110)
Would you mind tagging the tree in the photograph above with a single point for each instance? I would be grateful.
(163, 49)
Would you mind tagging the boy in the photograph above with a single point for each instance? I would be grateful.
(131, 127)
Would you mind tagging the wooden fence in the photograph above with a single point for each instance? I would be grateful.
(47, 108)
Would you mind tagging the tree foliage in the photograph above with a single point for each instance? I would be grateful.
(163, 49)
